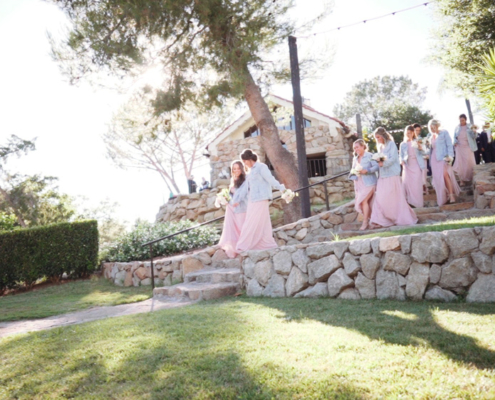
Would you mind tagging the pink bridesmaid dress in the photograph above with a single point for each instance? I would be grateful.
(257, 232)
(362, 191)
(232, 227)
(464, 157)
(438, 180)
(412, 178)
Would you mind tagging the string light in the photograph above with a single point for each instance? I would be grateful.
(368, 19)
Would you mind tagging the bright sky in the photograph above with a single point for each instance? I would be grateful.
(36, 100)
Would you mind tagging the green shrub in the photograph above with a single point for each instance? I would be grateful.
(27, 255)
(129, 246)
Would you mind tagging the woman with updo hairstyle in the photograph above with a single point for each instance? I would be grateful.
(257, 231)
(234, 215)
(443, 178)
(364, 180)
(390, 206)
(412, 161)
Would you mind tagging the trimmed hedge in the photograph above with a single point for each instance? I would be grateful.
(27, 255)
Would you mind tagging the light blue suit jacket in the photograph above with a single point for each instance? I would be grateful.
(391, 166)
(240, 196)
(260, 182)
(404, 156)
(443, 145)
(471, 136)
(369, 165)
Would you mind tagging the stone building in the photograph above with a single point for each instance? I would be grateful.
(328, 148)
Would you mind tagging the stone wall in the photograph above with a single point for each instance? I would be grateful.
(200, 207)
(484, 186)
(167, 271)
(319, 141)
(322, 227)
(433, 266)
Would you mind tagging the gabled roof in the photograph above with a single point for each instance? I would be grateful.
(280, 101)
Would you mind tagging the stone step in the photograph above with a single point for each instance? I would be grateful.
(432, 217)
(231, 275)
(198, 291)
(457, 206)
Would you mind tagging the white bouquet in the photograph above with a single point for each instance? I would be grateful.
(448, 159)
(357, 171)
(379, 157)
(426, 156)
(288, 195)
(223, 198)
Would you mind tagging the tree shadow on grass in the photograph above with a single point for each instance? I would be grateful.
(194, 352)
(401, 323)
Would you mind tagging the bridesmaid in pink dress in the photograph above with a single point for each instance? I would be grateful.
(465, 146)
(390, 206)
(364, 181)
(235, 213)
(413, 164)
(443, 177)
(257, 232)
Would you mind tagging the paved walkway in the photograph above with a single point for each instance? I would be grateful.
(92, 314)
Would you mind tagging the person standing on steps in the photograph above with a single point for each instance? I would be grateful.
(390, 206)
(442, 152)
(413, 165)
(465, 146)
(364, 177)
(256, 233)
(486, 144)
(235, 213)
(427, 170)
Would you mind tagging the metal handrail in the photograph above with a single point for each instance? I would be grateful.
(151, 243)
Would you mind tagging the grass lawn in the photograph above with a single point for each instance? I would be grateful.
(67, 297)
(262, 349)
(439, 227)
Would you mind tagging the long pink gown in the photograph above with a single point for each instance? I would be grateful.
(390, 206)
(412, 178)
(438, 180)
(464, 157)
(257, 232)
(362, 191)
(232, 227)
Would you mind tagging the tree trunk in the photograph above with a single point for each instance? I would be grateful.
(282, 160)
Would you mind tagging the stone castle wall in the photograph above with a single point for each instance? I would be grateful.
(433, 266)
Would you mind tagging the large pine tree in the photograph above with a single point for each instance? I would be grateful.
(225, 40)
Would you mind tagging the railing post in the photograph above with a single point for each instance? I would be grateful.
(152, 270)
(326, 195)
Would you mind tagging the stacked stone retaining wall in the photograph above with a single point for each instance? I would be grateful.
(434, 266)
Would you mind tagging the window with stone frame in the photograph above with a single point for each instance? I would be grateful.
(317, 165)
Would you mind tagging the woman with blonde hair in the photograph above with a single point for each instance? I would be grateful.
(235, 213)
(390, 206)
(411, 158)
(257, 232)
(363, 174)
(442, 154)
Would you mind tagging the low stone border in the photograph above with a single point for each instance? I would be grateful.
(433, 266)
(168, 271)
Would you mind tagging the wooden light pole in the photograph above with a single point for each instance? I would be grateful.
(299, 120)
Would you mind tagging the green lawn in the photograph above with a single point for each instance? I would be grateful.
(262, 349)
(439, 227)
(67, 297)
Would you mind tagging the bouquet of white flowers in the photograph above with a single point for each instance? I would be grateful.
(448, 159)
(357, 171)
(426, 156)
(379, 157)
(288, 195)
(223, 198)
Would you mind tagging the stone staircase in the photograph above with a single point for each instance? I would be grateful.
(205, 284)
(223, 277)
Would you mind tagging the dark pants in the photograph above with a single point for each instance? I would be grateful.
(487, 154)
(477, 156)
